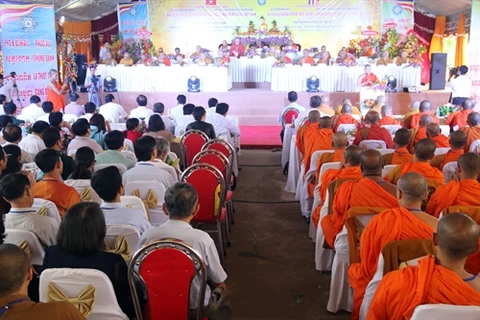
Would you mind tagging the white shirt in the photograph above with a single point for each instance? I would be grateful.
(141, 113)
(32, 144)
(5, 89)
(169, 125)
(79, 142)
(211, 111)
(176, 112)
(222, 124)
(461, 87)
(44, 117)
(147, 171)
(87, 116)
(304, 114)
(103, 54)
(201, 242)
(171, 170)
(113, 112)
(182, 123)
(117, 213)
(31, 113)
(45, 228)
(26, 156)
(291, 105)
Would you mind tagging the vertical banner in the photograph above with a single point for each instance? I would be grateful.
(397, 14)
(474, 52)
(29, 47)
(131, 18)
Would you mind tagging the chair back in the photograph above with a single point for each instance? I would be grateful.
(134, 202)
(386, 151)
(223, 147)
(121, 167)
(326, 166)
(305, 121)
(475, 147)
(288, 116)
(130, 155)
(152, 194)
(397, 254)
(445, 311)
(471, 211)
(356, 220)
(168, 270)
(372, 144)
(441, 151)
(130, 233)
(388, 168)
(392, 128)
(90, 290)
(216, 159)
(209, 183)
(128, 145)
(70, 118)
(46, 208)
(449, 170)
(315, 156)
(346, 127)
(85, 190)
(28, 241)
(332, 190)
(192, 142)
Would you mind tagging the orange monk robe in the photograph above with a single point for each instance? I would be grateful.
(316, 139)
(433, 175)
(399, 156)
(348, 173)
(344, 119)
(361, 193)
(389, 225)
(287, 60)
(368, 80)
(375, 132)
(439, 161)
(459, 119)
(355, 110)
(415, 119)
(326, 110)
(401, 291)
(55, 98)
(335, 156)
(441, 141)
(309, 60)
(473, 133)
(419, 134)
(454, 193)
(300, 137)
(387, 121)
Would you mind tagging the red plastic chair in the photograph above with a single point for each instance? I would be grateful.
(167, 270)
(210, 186)
(192, 142)
(287, 116)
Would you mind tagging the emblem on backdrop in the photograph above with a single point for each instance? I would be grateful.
(28, 24)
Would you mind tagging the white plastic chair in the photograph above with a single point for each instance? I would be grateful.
(445, 129)
(134, 203)
(386, 151)
(392, 128)
(346, 127)
(475, 147)
(372, 144)
(157, 216)
(81, 186)
(121, 167)
(130, 155)
(323, 256)
(313, 162)
(70, 118)
(52, 210)
(131, 234)
(71, 282)
(441, 151)
(16, 236)
(129, 145)
(444, 311)
(388, 168)
(327, 166)
(117, 126)
(449, 170)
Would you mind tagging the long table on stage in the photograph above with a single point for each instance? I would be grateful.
(251, 70)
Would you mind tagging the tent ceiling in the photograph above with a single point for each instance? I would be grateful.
(443, 7)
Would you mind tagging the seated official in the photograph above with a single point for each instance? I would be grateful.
(10, 109)
(33, 111)
(368, 78)
(420, 132)
(109, 61)
(424, 108)
(384, 59)
(141, 112)
(156, 128)
(114, 142)
(163, 149)
(16, 188)
(47, 108)
(344, 118)
(435, 133)
(81, 129)
(457, 142)
(112, 112)
(84, 164)
(33, 142)
(14, 159)
(387, 120)
(51, 187)
(53, 141)
(15, 278)
(13, 135)
(402, 59)
(374, 131)
(355, 110)
(212, 106)
(181, 205)
(221, 123)
(107, 183)
(159, 108)
(126, 60)
(200, 115)
(81, 244)
(473, 129)
(183, 121)
(177, 111)
(98, 129)
(74, 107)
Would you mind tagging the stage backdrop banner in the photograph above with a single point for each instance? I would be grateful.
(188, 23)
(29, 47)
(398, 15)
(474, 51)
(131, 18)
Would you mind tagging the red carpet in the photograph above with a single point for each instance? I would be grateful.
(260, 137)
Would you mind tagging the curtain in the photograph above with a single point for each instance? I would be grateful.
(461, 49)
(103, 30)
(436, 45)
(81, 32)
(424, 27)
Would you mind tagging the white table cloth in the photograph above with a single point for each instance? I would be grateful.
(293, 167)
(251, 70)
(287, 136)
(167, 79)
(339, 78)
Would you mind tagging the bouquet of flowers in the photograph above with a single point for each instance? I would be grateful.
(348, 62)
(415, 48)
(381, 85)
(67, 55)
(388, 41)
(366, 105)
(368, 47)
(279, 62)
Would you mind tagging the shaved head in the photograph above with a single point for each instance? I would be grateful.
(469, 165)
(468, 104)
(473, 119)
(425, 106)
(425, 119)
(325, 99)
(314, 116)
(340, 139)
(425, 150)
(381, 100)
(458, 140)
(346, 101)
(371, 162)
(325, 123)
(457, 235)
(433, 130)
(14, 264)
(346, 108)
(386, 110)
(413, 186)
(402, 137)
(352, 155)
(372, 117)
(415, 104)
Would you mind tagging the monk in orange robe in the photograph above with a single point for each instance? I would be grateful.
(465, 192)
(420, 132)
(345, 118)
(324, 107)
(355, 110)
(460, 118)
(434, 133)
(367, 79)
(414, 109)
(387, 119)
(317, 137)
(307, 59)
(425, 108)
(424, 152)
(374, 131)
(473, 129)
(457, 141)
(436, 280)
(55, 92)
(370, 191)
(401, 153)
(313, 120)
(349, 170)
(405, 222)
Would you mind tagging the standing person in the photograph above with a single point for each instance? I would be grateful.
(367, 79)
(103, 52)
(5, 89)
(461, 86)
(292, 98)
(93, 83)
(55, 91)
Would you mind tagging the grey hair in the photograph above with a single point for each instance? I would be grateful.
(180, 200)
(163, 146)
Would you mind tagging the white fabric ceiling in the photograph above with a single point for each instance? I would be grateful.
(443, 7)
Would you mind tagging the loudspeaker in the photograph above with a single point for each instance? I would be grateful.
(81, 62)
(438, 71)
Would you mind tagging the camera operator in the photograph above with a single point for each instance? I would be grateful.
(7, 88)
(93, 83)
(461, 86)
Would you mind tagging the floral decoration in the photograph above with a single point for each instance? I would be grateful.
(67, 54)
(381, 85)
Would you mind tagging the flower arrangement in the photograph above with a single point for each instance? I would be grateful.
(381, 85)
(366, 105)
(134, 47)
(367, 47)
(67, 53)
(415, 48)
(388, 41)
(348, 62)
(273, 36)
(279, 62)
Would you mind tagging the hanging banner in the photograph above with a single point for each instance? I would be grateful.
(474, 52)
(397, 14)
(29, 47)
(131, 18)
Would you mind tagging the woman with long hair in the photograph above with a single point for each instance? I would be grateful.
(84, 163)
(98, 129)
(156, 128)
(14, 159)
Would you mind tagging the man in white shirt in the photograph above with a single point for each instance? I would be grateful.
(141, 112)
(160, 109)
(16, 188)
(107, 183)
(90, 109)
(178, 110)
(6, 88)
(33, 111)
(184, 120)
(47, 108)
(112, 111)
(103, 51)
(163, 148)
(292, 98)
(3, 101)
(461, 86)
(181, 204)
(81, 129)
(33, 143)
(12, 134)
(222, 125)
(212, 106)
(315, 102)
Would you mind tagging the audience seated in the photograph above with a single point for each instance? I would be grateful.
(81, 244)
(183, 120)
(133, 129)
(74, 107)
(14, 159)
(374, 131)
(344, 118)
(156, 128)
(81, 129)
(4, 205)
(163, 148)
(90, 110)
(387, 119)
(436, 280)
(401, 154)
(459, 119)
(112, 111)
(15, 278)
(212, 106)
(413, 120)
(355, 110)
(181, 205)
(33, 142)
(324, 107)
(84, 164)
(13, 135)
(159, 108)
(56, 121)
(379, 103)
(114, 142)
(420, 132)
(313, 120)
(314, 104)
(457, 142)
(98, 129)
(16, 188)
(47, 108)
(434, 133)
(317, 137)
(107, 183)
(33, 111)
(10, 109)
(221, 123)
(51, 138)
(141, 112)
(200, 115)
(51, 187)
(414, 109)
(473, 129)
(177, 111)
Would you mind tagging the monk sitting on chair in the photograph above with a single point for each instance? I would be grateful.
(401, 154)
(318, 136)
(464, 191)
(420, 132)
(324, 108)
(344, 118)
(424, 152)
(406, 221)
(374, 131)
(355, 110)
(370, 191)
(457, 142)
(435, 133)
(413, 107)
(459, 119)
(367, 79)
(379, 103)
(413, 120)
(436, 280)
(473, 129)
(313, 118)
(387, 119)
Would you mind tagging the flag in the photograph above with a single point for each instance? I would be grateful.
(405, 5)
(210, 2)
(312, 2)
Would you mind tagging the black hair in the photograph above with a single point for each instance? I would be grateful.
(158, 107)
(188, 109)
(13, 164)
(155, 123)
(463, 70)
(181, 99)
(12, 186)
(80, 127)
(142, 100)
(98, 121)
(292, 96)
(55, 119)
(39, 126)
(82, 230)
(14, 264)
(5, 120)
(47, 159)
(222, 108)
(3, 98)
(144, 148)
(315, 101)
(35, 99)
(212, 102)
(107, 183)
(73, 97)
(2, 155)
(132, 123)
(90, 107)
(10, 108)
(50, 137)
(12, 133)
(114, 140)
(198, 113)
(47, 106)
(84, 158)
(109, 98)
